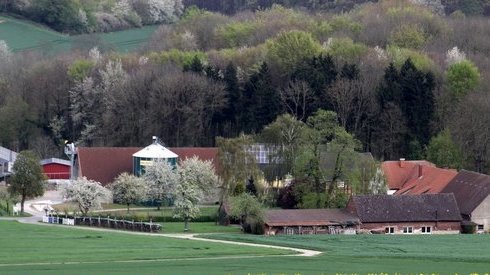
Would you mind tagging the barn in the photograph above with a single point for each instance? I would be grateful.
(56, 169)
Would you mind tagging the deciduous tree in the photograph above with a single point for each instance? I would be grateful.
(28, 178)
(88, 194)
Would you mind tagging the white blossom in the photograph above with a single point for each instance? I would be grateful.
(164, 10)
(196, 178)
(380, 53)
(161, 178)
(94, 54)
(127, 189)
(82, 17)
(454, 55)
(88, 194)
(5, 53)
(143, 60)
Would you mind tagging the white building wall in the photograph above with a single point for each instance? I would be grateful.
(481, 214)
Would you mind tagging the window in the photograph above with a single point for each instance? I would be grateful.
(290, 231)
(407, 230)
(426, 230)
(390, 230)
(480, 227)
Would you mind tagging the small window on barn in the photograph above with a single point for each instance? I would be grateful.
(479, 227)
(407, 230)
(426, 230)
(390, 230)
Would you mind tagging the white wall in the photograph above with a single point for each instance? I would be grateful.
(481, 215)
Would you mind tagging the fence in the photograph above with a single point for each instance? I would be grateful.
(105, 223)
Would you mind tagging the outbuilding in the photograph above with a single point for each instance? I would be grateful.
(56, 169)
(151, 153)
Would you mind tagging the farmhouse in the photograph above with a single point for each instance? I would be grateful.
(409, 214)
(472, 193)
(310, 221)
(427, 180)
(399, 174)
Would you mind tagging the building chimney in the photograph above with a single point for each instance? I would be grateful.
(420, 170)
(402, 163)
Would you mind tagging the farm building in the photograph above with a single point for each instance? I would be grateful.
(415, 177)
(472, 193)
(151, 153)
(104, 164)
(408, 214)
(56, 169)
(7, 159)
(310, 221)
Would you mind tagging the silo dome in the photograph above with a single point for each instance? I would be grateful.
(151, 153)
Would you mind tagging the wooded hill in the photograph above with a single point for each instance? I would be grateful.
(402, 80)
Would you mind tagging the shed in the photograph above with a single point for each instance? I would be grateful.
(149, 154)
(55, 168)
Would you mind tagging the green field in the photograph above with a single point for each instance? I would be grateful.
(22, 35)
(34, 249)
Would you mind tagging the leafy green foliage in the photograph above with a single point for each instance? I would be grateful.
(248, 210)
(28, 178)
(462, 78)
(408, 36)
(289, 49)
(443, 152)
(345, 49)
(80, 69)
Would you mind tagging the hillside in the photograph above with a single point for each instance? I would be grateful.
(35, 37)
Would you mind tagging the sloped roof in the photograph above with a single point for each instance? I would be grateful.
(469, 189)
(409, 208)
(55, 160)
(399, 172)
(155, 150)
(104, 164)
(430, 180)
(309, 217)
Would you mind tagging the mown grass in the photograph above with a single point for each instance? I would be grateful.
(198, 228)
(35, 244)
(22, 35)
(107, 253)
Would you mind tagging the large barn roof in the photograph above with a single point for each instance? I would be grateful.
(429, 180)
(407, 208)
(469, 189)
(104, 164)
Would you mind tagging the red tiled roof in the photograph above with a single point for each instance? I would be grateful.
(399, 172)
(309, 217)
(430, 180)
(409, 208)
(104, 164)
(470, 189)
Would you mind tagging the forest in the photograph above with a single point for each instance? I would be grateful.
(403, 81)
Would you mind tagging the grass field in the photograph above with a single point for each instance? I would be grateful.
(116, 253)
(26, 248)
(198, 228)
(23, 35)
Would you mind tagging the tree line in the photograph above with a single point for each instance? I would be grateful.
(406, 83)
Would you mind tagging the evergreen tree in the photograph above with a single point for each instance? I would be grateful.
(261, 101)
(319, 72)
(417, 101)
(350, 71)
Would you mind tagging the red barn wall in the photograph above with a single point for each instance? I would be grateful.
(56, 171)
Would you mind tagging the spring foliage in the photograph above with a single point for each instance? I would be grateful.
(88, 194)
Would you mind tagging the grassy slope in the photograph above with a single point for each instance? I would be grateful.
(22, 35)
(24, 243)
